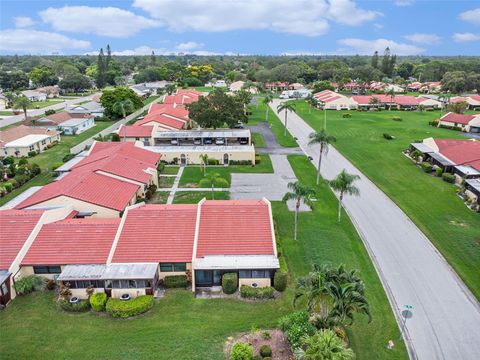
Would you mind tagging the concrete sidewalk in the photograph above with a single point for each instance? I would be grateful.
(446, 316)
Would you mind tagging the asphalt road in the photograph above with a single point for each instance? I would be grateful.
(446, 317)
(8, 120)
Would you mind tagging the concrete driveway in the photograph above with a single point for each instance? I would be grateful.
(446, 316)
(271, 144)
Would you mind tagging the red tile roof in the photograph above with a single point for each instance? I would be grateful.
(461, 152)
(15, 227)
(157, 233)
(73, 241)
(136, 131)
(457, 118)
(240, 227)
(61, 117)
(161, 120)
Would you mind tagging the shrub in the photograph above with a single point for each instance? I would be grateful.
(34, 169)
(257, 357)
(438, 172)
(49, 112)
(32, 153)
(175, 281)
(67, 157)
(21, 179)
(266, 335)
(221, 183)
(14, 183)
(212, 162)
(98, 301)
(426, 167)
(57, 165)
(50, 285)
(240, 162)
(81, 306)
(3, 191)
(396, 118)
(127, 308)
(347, 116)
(8, 160)
(450, 178)
(249, 292)
(280, 280)
(258, 159)
(115, 137)
(161, 166)
(23, 161)
(295, 326)
(265, 351)
(388, 136)
(241, 351)
(28, 284)
(8, 187)
(229, 283)
(433, 123)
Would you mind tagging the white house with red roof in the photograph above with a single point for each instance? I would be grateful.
(331, 100)
(473, 101)
(464, 122)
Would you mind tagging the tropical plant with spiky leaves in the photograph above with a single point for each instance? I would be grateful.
(299, 193)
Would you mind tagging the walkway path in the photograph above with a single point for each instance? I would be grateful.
(8, 120)
(446, 316)
(174, 188)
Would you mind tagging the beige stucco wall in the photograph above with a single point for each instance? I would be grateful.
(163, 274)
(38, 146)
(448, 123)
(193, 158)
(116, 293)
(28, 270)
(262, 282)
(470, 195)
(80, 205)
(82, 294)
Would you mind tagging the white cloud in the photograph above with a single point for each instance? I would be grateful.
(23, 21)
(189, 45)
(368, 47)
(404, 2)
(472, 16)
(378, 26)
(41, 42)
(147, 50)
(103, 21)
(420, 38)
(465, 37)
(302, 17)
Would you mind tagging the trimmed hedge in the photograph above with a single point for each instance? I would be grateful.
(229, 283)
(240, 162)
(265, 351)
(175, 281)
(98, 301)
(280, 280)
(241, 351)
(450, 178)
(426, 167)
(127, 308)
(249, 292)
(347, 116)
(438, 172)
(28, 284)
(81, 306)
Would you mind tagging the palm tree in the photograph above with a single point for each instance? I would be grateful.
(267, 100)
(313, 287)
(123, 106)
(286, 106)
(204, 158)
(22, 102)
(343, 183)
(323, 140)
(312, 102)
(213, 177)
(299, 193)
(325, 344)
(348, 298)
(391, 93)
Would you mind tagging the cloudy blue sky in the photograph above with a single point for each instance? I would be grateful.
(409, 27)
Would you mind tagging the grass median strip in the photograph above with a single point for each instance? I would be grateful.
(193, 197)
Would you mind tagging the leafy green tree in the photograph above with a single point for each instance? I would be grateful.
(22, 102)
(322, 85)
(100, 79)
(321, 138)
(110, 97)
(343, 183)
(123, 106)
(392, 94)
(324, 345)
(170, 89)
(312, 102)
(458, 107)
(299, 193)
(375, 60)
(286, 107)
(13, 80)
(43, 76)
(75, 82)
(267, 100)
(348, 299)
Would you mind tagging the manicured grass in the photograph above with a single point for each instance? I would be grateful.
(259, 115)
(6, 113)
(193, 197)
(150, 99)
(193, 174)
(430, 202)
(258, 140)
(42, 104)
(170, 170)
(203, 88)
(322, 240)
(166, 181)
(51, 156)
(160, 197)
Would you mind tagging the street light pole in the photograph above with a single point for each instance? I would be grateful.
(407, 313)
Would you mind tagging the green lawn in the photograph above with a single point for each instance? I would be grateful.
(6, 113)
(42, 104)
(430, 202)
(150, 99)
(160, 197)
(259, 115)
(258, 140)
(170, 170)
(193, 197)
(166, 181)
(193, 174)
(46, 159)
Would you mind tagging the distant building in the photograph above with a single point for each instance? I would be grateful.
(20, 140)
(34, 95)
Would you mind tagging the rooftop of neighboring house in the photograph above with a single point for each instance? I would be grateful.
(157, 233)
(60, 118)
(18, 132)
(457, 152)
(29, 93)
(73, 241)
(26, 141)
(135, 131)
(16, 226)
(327, 96)
(86, 107)
(458, 118)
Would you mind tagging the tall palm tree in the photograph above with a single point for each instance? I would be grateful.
(22, 102)
(391, 93)
(325, 344)
(123, 106)
(321, 138)
(343, 183)
(213, 177)
(313, 287)
(204, 158)
(348, 298)
(312, 102)
(299, 193)
(267, 100)
(286, 106)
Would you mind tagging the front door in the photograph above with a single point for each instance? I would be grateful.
(183, 159)
(5, 292)
(217, 278)
(225, 159)
(203, 278)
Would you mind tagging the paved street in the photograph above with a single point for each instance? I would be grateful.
(8, 120)
(446, 317)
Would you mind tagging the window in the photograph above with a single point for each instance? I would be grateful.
(31, 147)
(171, 267)
(47, 269)
(127, 284)
(256, 274)
(44, 142)
(83, 284)
(137, 139)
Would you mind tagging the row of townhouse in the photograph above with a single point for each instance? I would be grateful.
(132, 254)
(466, 123)
(167, 130)
(20, 140)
